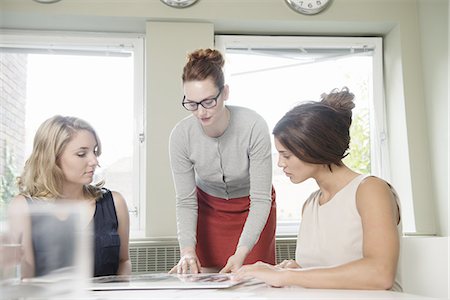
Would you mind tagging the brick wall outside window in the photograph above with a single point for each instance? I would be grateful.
(13, 80)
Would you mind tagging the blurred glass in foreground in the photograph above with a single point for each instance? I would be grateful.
(10, 256)
(46, 251)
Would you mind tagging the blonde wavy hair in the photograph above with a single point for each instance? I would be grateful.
(42, 177)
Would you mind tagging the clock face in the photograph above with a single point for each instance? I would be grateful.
(308, 7)
(47, 1)
(179, 3)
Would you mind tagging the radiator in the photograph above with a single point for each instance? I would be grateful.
(154, 256)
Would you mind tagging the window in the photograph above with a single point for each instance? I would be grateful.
(273, 74)
(98, 78)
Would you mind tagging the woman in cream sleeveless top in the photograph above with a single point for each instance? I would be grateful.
(340, 220)
(350, 231)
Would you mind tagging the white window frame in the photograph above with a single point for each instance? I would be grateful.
(104, 42)
(380, 165)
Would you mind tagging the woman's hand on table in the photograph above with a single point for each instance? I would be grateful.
(236, 260)
(288, 264)
(188, 263)
(271, 275)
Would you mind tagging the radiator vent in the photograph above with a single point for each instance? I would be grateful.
(151, 256)
(285, 248)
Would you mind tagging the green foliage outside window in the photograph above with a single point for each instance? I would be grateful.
(359, 152)
(8, 188)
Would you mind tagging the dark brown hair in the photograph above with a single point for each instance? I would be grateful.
(318, 132)
(203, 64)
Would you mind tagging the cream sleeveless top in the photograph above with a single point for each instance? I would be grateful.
(331, 234)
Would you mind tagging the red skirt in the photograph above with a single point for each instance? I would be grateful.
(219, 226)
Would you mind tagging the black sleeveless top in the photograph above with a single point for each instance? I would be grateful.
(107, 240)
(53, 239)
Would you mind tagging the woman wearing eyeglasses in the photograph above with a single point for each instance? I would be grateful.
(222, 169)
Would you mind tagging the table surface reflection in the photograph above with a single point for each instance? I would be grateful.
(250, 290)
(253, 291)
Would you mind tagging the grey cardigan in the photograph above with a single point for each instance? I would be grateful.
(236, 164)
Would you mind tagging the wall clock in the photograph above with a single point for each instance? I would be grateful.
(308, 7)
(47, 1)
(179, 3)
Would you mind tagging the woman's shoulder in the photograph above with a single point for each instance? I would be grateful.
(311, 200)
(108, 196)
(106, 193)
(18, 201)
(375, 194)
(120, 205)
(371, 183)
(184, 126)
(313, 196)
(116, 196)
(245, 116)
(372, 188)
(18, 205)
(18, 198)
(243, 111)
(186, 121)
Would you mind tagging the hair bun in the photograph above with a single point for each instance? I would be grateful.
(210, 55)
(339, 99)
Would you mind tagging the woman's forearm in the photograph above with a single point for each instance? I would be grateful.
(124, 267)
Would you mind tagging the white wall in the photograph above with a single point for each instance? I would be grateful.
(169, 42)
(424, 266)
(433, 17)
(397, 125)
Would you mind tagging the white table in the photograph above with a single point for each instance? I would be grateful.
(260, 291)
(70, 290)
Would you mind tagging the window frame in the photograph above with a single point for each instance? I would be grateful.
(380, 164)
(99, 42)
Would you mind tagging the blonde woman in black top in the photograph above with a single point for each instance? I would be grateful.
(61, 169)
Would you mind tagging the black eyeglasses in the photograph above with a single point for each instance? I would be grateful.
(206, 103)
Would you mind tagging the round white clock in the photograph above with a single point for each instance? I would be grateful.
(47, 1)
(308, 7)
(179, 3)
